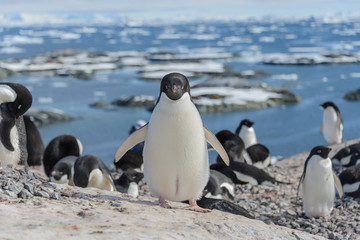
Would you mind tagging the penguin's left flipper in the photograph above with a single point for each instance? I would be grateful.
(135, 138)
(214, 142)
(338, 185)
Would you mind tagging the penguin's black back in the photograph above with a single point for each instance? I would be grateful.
(58, 148)
(83, 167)
(258, 152)
(130, 160)
(34, 143)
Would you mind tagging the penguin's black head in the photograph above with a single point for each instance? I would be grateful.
(246, 122)
(174, 85)
(322, 151)
(22, 102)
(328, 104)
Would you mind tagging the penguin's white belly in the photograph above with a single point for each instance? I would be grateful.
(176, 165)
(331, 129)
(11, 157)
(318, 189)
(248, 136)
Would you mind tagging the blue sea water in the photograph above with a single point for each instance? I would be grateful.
(286, 130)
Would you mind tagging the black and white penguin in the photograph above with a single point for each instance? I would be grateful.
(35, 144)
(332, 124)
(219, 186)
(350, 180)
(131, 160)
(176, 165)
(246, 132)
(15, 100)
(90, 171)
(233, 146)
(347, 156)
(128, 182)
(257, 154)
(58, 148)
(318, 182)
(61, 172)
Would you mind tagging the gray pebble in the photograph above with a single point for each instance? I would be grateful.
(29, 187)
(16, 188)
(42, 194)
(25, 194)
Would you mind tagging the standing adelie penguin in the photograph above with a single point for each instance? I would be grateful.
(58, 148)
(332, 124)
(247, 132)
(256, 154)
(15, 100)
(176, 165)
(318, 183)
(90, 171)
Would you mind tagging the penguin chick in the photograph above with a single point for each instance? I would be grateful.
(61, 172)
(219, 186)
(176, 164)
(350, 180)
(332, 124)
(58, 148)
(90, 171)
(318, 182)
(15, 100)
(128, 182)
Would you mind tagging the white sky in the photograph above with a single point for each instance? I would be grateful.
(185, 8)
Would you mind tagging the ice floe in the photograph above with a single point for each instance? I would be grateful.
(308, 59)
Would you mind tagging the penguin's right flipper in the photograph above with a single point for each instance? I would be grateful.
(338, 185)
(214, 142)
(135, 138)
(298, 187)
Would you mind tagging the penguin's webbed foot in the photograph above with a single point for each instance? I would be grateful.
(194, 207)
(163, 203)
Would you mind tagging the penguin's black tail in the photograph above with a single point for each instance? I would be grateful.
(224, 206)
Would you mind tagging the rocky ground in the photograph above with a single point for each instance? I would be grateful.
(32, 208)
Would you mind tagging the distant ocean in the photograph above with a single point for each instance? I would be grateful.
(285, 130)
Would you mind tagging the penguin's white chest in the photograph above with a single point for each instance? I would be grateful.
(248, 136)
(176, 165)
(332, 128)
(11, 157)
(318, 187)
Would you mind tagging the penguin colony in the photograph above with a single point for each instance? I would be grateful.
(171, 153)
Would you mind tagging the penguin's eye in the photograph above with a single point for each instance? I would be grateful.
(20, 106)
(319, 151)
(166, 87)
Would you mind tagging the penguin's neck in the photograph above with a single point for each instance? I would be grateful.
(247, 134)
